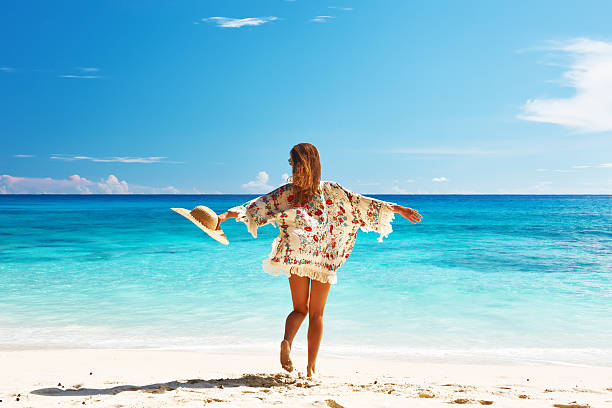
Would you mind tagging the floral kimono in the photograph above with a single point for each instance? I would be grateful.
(315, 239)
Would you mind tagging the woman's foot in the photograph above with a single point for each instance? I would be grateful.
(310, 372)
(285, 360)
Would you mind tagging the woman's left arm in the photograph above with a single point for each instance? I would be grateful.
(258, 211)
(407, 212)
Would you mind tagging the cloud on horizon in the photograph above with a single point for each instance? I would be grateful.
(260, 184)
(228, 22)
(590, 74)
(115, 159)
(75, 184)
(439, 179)
(23, 156)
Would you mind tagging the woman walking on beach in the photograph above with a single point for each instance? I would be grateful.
(318, 223)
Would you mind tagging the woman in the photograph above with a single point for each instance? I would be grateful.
(318, 222)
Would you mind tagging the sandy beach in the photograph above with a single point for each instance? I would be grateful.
(142, 378)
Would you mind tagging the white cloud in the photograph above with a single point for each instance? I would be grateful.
(116, 159)
(112, 185)
(557, 170)
(228, 22)
(321, 19)
(23, 156)
(260, 184)
(590, 74)
(439, 179)
(285, 178)
(195, 190)
(80, 76)
(75, 184)
(603, 165)
(137, 189)
(341, 8)
(84, 73)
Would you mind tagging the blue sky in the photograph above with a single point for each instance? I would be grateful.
(399, 97)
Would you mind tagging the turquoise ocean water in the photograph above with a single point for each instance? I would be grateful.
(498, 278)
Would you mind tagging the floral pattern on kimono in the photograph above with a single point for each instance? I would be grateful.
(315, 238)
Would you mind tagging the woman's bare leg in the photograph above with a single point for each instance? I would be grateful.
(299, 295)
(318, 298)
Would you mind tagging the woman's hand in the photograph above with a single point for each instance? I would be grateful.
(408, 213)
(224, 217)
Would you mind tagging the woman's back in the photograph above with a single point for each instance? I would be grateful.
(316, 237)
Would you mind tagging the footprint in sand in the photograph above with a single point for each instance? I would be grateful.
(571, 405)
(333, 404)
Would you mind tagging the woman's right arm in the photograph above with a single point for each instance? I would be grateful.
(377, 215)
(226, 216)
(406, 212)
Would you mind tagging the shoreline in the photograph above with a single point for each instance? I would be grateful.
(155, 378)
(486, 356)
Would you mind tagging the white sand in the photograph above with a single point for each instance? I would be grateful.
(193, 379)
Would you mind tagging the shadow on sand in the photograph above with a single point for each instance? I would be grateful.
(247, 380)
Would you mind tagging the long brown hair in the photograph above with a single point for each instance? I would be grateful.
(306, 171)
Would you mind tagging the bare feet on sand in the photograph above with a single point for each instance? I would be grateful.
(310, 372)
(285, 360)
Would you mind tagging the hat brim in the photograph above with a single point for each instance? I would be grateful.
(217, 235)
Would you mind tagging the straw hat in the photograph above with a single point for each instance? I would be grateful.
(206, 219)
